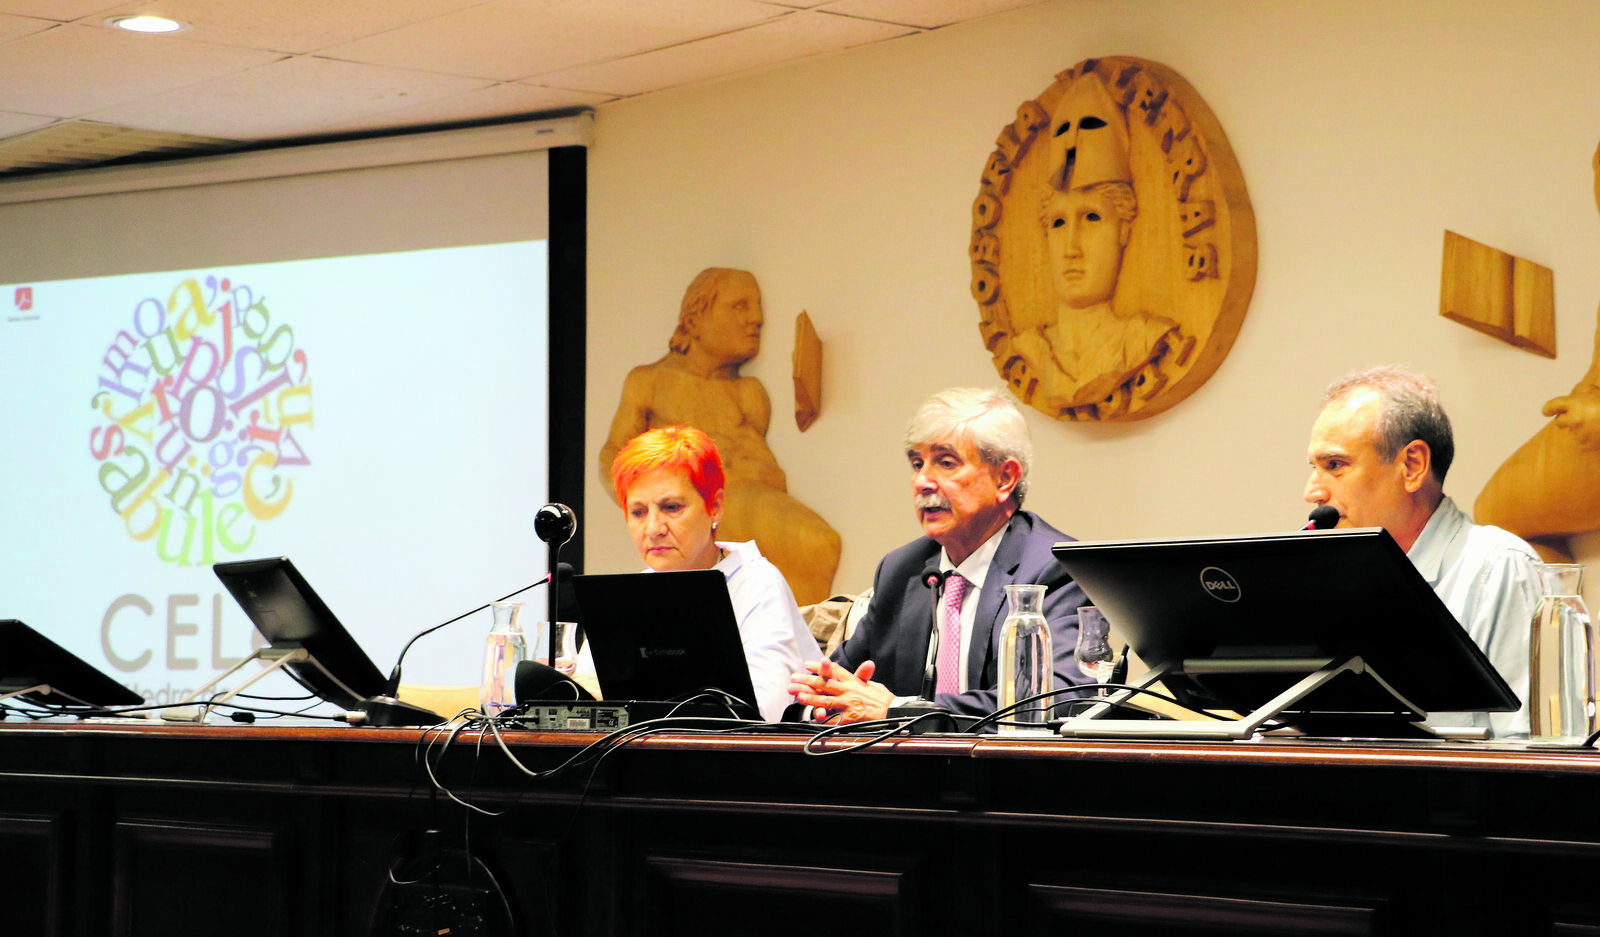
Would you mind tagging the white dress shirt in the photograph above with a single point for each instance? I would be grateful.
(1487, 578)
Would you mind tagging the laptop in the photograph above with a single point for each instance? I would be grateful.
(658, 637)
(1232, 622)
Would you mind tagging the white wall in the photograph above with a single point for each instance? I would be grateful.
(1364, 130)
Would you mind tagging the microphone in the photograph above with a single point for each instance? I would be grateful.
(933, 577)
(1323, 517)
(555, 524)
(386, 709)
(918, 710)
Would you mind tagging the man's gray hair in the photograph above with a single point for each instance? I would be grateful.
(1409, 409)
(988, 419)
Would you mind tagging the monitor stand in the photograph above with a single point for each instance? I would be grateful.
(197, 707)
(45, 689)
(1391, 715)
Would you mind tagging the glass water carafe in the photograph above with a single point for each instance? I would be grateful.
(503, 650)
(1026, 664)
(1561, 678)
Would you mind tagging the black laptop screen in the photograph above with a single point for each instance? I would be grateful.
(660, 636)
(29, 659)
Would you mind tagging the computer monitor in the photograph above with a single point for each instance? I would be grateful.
(36, 669)
(291, 616)
(1334, 631)
(659, 636)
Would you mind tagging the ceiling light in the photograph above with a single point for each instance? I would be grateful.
(145, 24)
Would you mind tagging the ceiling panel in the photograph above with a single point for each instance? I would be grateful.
(283, 69)
(295, 97)
(794, 36)
(15, 27)
(60, 10)
(13, 124)
(86, 143)
(516, 39)
(928, 14)
(291, 25)
(70, 70)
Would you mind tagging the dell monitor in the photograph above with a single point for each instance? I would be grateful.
(1334, 632)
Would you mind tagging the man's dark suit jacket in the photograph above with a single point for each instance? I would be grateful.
(894, 631)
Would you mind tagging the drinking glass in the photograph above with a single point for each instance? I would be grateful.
(566, 640)
(1094, 645)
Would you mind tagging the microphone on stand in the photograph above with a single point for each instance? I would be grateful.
(555, 524)
(1323, 517)
(932, 577)
(919, 710)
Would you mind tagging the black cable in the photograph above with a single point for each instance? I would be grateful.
(730, 702)
(207, 705)
(439, 739)
(8, 708)
(895, 727)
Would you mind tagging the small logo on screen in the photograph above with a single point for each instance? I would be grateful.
(1220, 584)
(24, 298)
(648, 652)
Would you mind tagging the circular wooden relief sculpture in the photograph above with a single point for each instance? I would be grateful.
(1113, 245)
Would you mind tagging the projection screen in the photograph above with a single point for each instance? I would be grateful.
(335, 353)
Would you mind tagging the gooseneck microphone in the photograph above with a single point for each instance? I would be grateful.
(386, 708)
(1323, 517)
(921, 711)
(933, 577)
(555, 524)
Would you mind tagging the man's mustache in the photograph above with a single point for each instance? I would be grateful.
(935, 500)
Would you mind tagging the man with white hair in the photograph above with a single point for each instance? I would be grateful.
(969, 453)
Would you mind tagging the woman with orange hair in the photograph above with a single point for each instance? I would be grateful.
(670, 484)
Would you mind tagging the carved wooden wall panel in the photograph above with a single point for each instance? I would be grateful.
(1548, 490)
(1498, 294)
(1113, 244)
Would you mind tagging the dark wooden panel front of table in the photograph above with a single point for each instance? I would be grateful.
(255, 830)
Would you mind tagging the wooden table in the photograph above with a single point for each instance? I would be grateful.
(243, 830)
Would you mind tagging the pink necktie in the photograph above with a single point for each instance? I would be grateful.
(950, 636)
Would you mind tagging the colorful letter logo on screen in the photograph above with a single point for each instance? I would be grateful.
(203, 406)
(23, 298)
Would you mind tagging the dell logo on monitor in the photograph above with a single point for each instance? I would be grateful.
(1219, 584)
